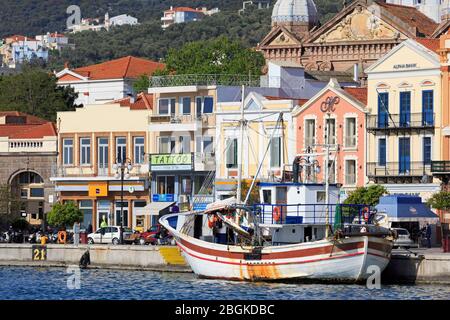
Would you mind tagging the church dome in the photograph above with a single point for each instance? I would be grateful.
(295, 11)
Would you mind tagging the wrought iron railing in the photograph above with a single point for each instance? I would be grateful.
(204, 80)
(440, 167)
(401, 121)
(398, 169)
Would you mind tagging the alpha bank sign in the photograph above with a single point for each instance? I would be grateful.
(405, 66)
(171, 162)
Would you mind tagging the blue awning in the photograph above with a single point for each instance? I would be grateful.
(406, 208)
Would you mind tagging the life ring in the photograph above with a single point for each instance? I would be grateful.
(276, 214)
(62, 237)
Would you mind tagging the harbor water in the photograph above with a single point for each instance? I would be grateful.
(30, 283)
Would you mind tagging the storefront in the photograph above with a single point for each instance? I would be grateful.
(102, 200)
(175, 180)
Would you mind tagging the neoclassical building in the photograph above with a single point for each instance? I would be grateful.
(356, 37)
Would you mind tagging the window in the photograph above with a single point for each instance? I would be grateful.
(103, 153)
(68, 151)
(139, 150)
(275, 152)
(383, 109)
(199, 187)
(186, 185)
(208, 105)
(85, 151)
(166, 185)
(427, 150)
(208, 146)
(331, 172)
(30, 177)
(86, 208)
(382, 152)
(320, 197)
(350, 172)
(310, 132)
(350, 132)
(405, 109)
(267, 196)
(185, 144)
(232, 152)
(185, 105)
(166, 106)
(330, 125)
(166, 145)
(36, 192)
(121, 149)
(427, 107)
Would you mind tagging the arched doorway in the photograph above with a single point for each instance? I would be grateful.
(28, 188)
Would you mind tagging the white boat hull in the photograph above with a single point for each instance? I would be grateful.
(347, 259)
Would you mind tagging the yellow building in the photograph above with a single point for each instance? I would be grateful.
(92, 141)
(404, 121)
(261, 116)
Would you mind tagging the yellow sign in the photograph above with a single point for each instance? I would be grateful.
(98, 189)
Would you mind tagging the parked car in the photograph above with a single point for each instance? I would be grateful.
(109, 235)
(150, 236)
(404, 239)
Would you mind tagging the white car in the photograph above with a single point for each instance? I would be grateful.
(109, 235)
(404, 239)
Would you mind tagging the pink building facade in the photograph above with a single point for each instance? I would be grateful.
(342, 112)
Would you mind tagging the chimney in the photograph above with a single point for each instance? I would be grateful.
(356, 72)
(66, 65)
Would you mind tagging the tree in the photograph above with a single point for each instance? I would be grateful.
(9, 205)
(35, 92)
(63, 215)
(216, 56)
(141, 84)
(440, 200)
(366, 195)
(254, 194)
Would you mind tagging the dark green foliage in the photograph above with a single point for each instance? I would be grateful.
(9, 205)
(217, 56)
(440, 200)
(35, 92)
(64, 214)
(366, 195)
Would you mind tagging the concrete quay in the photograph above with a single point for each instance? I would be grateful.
(132, 257)
(418, 266)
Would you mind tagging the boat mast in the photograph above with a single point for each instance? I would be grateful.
(327, 181)
(240, 148)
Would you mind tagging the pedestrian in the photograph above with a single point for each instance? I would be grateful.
(104, 224)
(89, 229)
(428, 235)
(76, 233)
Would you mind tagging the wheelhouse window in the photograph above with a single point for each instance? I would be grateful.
(68, 151)
(85, 151)
(121, 149)
(139, 150)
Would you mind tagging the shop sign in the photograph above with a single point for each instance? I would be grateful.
(163, 198)
(405, 66)
(171, 162)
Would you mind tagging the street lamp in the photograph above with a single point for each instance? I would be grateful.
(123, 168)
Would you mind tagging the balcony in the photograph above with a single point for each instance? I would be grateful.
(139, 170)
(180, 122)
(398, 169)
(183, 80)
(440, 167)
(205, 161)
(401, 122)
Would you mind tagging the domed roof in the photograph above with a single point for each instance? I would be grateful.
(295, 11)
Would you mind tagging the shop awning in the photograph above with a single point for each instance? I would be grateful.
(153, 209)
(405, 208)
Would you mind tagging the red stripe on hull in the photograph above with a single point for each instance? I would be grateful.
(329, 249)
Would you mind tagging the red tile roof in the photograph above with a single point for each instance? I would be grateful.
(183, 9)
(299, 101)
(18, 37)
(359, 94)
(126, 67)
(33, 128)
(430, 44)
(144, 101)
(412, 17)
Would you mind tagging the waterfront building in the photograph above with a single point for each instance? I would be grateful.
(435, 9)
(268, 140)
(28, 149)
(356, 37)
(335, 116)
(404, 127)
(18, 49)
(120, 20)
(54, 41)
(107, 81)
(185, 14)
(92, 140)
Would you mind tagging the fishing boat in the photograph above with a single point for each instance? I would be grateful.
(283, 240)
